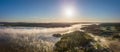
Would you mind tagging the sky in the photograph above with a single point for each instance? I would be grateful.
(59, 10)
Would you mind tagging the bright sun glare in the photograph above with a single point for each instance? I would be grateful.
(69, 12)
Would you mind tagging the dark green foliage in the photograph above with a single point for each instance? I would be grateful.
(78, 42)
(73, 42)
(57, 35)
(117, 36)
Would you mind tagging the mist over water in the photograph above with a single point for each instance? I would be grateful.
(33, 36)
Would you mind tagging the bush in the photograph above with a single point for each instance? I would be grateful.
(57, 35)
(69, 42)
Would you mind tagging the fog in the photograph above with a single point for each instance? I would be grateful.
(33, 36)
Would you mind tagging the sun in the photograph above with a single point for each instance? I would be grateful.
(69, 12)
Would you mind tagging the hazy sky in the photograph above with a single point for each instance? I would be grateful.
(54, 10)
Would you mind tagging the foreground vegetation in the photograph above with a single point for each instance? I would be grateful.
(28, 42)
(109, 31)
(78, 42)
